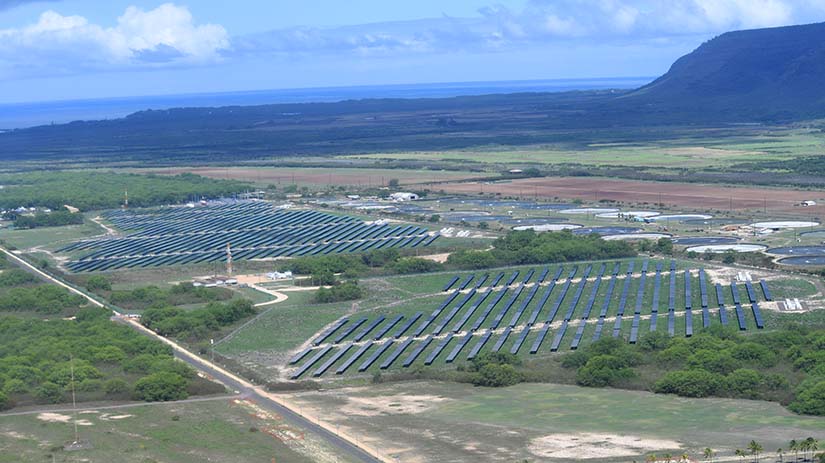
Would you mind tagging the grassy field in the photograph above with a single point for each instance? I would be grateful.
(222, 430)
(429, 421)
(50, 237)
(687, 152)
(327, 176)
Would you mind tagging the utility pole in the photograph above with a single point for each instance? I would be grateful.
(74, 400)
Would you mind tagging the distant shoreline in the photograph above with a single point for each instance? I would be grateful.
(20, 115)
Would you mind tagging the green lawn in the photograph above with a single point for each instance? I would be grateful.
(462, 423)
(50, 237)
(189, 432)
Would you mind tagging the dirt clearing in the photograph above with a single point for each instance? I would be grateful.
(685, 196)
(585, 446)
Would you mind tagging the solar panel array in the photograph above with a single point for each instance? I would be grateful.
(434, 335)
(183, 235)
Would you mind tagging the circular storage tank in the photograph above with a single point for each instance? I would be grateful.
(704, 240)
(779, 225)
(799, 251)
(721, 248)
(680, 217)
(637, 236)
(588, 210)
(549, 227)
(803, 260)
(718, 222)
(607, 230)
(817, 234)
(534, 220)
(628, 214)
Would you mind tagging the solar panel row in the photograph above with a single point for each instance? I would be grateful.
(520, 340)
(451, 283)
(386, 329)
(459, 347)
(502, 339)
(353, 358)
(417, 351)
(441, 346)
(500, 316)
(324, 335)
(372, 358)
(306, 366)
(335, 357)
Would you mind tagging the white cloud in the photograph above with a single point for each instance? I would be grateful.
(166, 35)
(538, 23)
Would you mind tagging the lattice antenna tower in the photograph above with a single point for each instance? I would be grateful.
(228, 259)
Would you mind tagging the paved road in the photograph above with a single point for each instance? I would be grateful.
(344, 443)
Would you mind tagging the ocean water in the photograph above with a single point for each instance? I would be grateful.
(20, 115)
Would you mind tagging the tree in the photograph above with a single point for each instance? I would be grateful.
(740, 453)
(5, 401)
(793, 446)
(780, 454)
(755, 449)
(708, 454)
(393, 183)
(161, 386)
(729, 257)
(49, 393)
(98, 283)
(435, 218)
(497, 375)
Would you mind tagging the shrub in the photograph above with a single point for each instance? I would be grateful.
(409, 265)
(5, 402)
(49, 393)
(497, 375)
(115, 386)
(810, 397)
(98, 283)
(161, 386)
(689, 383)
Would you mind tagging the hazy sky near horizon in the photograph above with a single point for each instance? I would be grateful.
(70, 49)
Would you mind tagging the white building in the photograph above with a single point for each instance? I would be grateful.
(403, 196)
(279, 275)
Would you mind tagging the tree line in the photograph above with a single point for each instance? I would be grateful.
(786, 365)
(106, 190)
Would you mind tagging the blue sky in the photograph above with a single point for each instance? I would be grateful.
(70, 49)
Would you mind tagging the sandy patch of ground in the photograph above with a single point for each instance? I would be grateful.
(60, 418)
(391, 405)
(591, 445)
(54, 417)
(115, 417)
(440, 258)
(723, 275)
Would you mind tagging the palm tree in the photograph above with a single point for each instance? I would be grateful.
(756, 449)
(708, 454)
(685, 457)
(668, 457)
(780, 454)
(739, 453)
(813, 446)
(804, 446)
(793, 446)
(651, 458)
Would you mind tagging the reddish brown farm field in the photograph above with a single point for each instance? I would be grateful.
(687, 196)
(319, 176)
